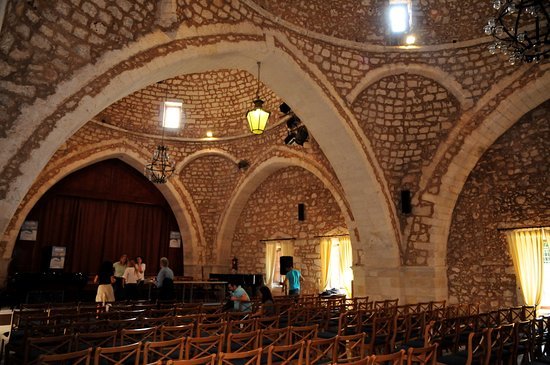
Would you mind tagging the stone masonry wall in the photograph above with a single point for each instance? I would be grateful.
(507, 188)
(272, 211)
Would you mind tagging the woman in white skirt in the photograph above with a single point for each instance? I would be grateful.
(105, 278)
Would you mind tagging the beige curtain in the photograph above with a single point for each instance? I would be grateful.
(346, 261)
(526, 250)
(326, 246)
(287, 248)
(270, 262)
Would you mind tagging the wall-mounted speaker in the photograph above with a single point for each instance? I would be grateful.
(285, 262)
(406, 207)
(301, 212)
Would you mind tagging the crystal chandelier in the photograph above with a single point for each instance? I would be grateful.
(161, 166)
(521, 30)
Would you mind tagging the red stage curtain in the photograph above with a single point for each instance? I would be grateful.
(124, 213)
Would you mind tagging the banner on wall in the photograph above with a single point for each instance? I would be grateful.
(29, 230)
(58, 257)
(175, 239)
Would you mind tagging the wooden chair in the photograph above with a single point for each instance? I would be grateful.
(366, 361)
(286, 354)
(211, 329)
(378, 340)
(164, 350)
(35, 347)
(274, 336)
(171, 332)
(82, 357)
(95, 339)
(267, 322)
(350, 348)
(476, 351)
(302, 333)
(321, 351)
(243, 325)
(196, 347)
(118, 355)
(395, 358)
(205, 360)
(506, 349)
(252, 357)
(422, 355)
(133, 335)
(244, 341)
(524, 340)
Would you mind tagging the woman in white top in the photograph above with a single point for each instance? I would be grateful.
(130, 281)
(140, 266)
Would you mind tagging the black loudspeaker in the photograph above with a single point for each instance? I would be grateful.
(301, 212)
(406, 207)
(285, 262)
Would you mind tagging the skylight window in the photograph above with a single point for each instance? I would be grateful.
(172, 114)
(399, 17)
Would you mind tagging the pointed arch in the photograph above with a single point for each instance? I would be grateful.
(445, 79)
(187, 219)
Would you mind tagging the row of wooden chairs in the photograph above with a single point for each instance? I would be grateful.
(295, 354)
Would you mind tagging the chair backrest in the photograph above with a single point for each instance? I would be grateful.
(35, 347)
(82, 357)
(205, 360)
(133, 335)
(118, 355)
(243, 325)
(422, 355)
(274, 336)
(84, 340)
(171, 332)
(196, 347)
(211, 329)
(303, 333)
(267, 322)
(164, 350)
(350, 348)
(241, 342)
(286, 354)
(321, 351)
(395, 358)
(252, 357)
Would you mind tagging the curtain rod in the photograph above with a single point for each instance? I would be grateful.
(526, 227)
(332, 235)
(278, 239)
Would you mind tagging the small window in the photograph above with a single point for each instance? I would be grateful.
(399, 15)
(172, 114)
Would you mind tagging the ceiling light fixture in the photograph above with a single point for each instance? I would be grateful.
(257, 117)
(161, 166)
(521, 29)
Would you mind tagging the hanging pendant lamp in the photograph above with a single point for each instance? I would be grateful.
(257, 117)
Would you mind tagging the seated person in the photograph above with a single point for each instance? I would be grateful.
(241, 300)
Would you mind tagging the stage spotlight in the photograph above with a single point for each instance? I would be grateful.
(290, 138)
(284, 108)
(302, 135)
(293, 122)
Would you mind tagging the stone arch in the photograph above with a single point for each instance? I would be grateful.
(252, 181)
(463, 96)
(161, 56)
(206, 152)
(119, 150)
(504, 116)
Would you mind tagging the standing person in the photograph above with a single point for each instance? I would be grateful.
(140, 265)
(165, 280)
(293, 280)
(130, 281)
(241, 300)
(120, 267)
(105, 279)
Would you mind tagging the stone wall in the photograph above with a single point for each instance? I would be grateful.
(507, 188)
(272, 212)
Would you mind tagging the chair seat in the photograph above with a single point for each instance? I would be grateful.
(453, 359)
(327, 334)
